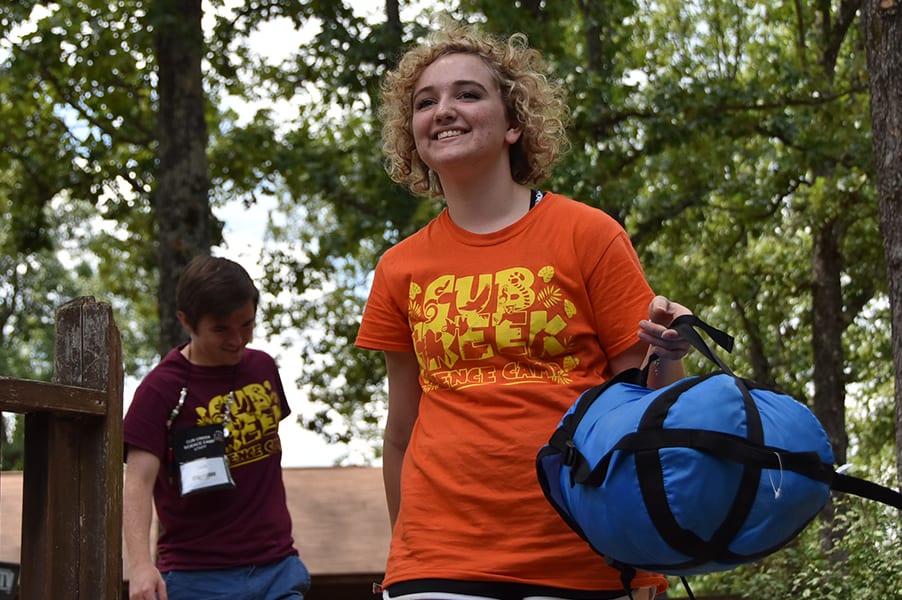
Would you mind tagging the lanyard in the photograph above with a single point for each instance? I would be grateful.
(226, 415)
(183, 393)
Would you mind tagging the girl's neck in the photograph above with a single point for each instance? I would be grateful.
(479, 207)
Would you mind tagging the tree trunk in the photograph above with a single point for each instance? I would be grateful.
(181, 201)
(828, 320)
(826, 337)
(883, 20)
(393, 18)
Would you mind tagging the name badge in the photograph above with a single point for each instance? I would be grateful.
(199, 454)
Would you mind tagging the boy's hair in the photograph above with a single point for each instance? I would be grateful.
(213, 286)
(535, 103)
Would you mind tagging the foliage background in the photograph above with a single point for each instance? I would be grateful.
(732, 139)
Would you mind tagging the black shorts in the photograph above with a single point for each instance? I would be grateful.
(447, 589)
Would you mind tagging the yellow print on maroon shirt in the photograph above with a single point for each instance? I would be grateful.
(504, 328)
(253, 422)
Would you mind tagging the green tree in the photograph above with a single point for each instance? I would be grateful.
(338, 212)
(732, 139)
(78, 133)
(74, 136)
(12, 443)
(36, 282)
(181, 196)
(883, 23)
(113, 95)
(739, 163)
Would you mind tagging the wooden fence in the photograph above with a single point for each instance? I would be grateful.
(72, 487)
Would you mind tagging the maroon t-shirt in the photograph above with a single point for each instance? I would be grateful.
(248, 524)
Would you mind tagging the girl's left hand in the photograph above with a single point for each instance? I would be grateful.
(665, 342)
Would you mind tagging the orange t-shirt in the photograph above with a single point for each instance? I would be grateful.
(508, 329)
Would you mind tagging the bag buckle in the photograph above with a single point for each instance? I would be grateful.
(570, 453)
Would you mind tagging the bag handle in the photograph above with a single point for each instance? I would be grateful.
(687, 325)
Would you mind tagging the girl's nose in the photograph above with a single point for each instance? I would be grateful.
(444, 110)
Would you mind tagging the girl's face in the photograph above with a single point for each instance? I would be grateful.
(221, 341)
(459, 117)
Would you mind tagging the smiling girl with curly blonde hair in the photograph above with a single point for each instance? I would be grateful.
(492, 319)
(530, 97)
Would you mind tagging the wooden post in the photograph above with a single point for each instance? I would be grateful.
(72, 488)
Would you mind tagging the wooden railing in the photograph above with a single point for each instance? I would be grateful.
(72, 487)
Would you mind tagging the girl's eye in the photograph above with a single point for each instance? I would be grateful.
(421, 104)
(470, 95)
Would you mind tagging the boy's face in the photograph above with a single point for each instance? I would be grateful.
(220, 341)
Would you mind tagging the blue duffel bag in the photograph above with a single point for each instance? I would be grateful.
(703, 475)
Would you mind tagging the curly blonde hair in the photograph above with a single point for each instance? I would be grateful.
(533, 101)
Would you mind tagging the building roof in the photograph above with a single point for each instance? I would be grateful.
(339, 519)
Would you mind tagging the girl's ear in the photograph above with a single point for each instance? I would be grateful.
(513, 133)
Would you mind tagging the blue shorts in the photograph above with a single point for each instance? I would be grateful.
(287, 579)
